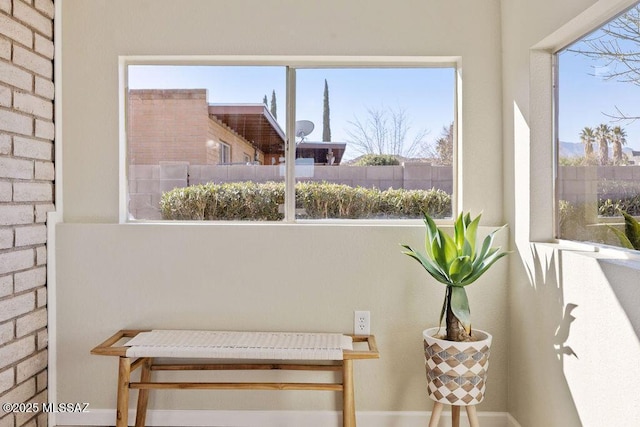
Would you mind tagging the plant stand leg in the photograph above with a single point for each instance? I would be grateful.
(473, 416)
(455, 416)
(435, 414)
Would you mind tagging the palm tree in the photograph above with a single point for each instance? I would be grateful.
(618, 139)
(603, 136)
(587, 137)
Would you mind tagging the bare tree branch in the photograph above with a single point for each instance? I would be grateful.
(386, 132)
(620, 117)
(617, 46)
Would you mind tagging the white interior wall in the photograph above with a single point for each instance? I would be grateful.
(303, 278)
(566, 306)
(262, 276)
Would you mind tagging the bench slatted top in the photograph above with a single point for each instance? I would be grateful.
(239, 345)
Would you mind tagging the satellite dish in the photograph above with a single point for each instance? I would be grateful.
(304, 128)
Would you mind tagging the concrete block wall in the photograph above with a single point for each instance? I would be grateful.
(26, 195)
(409, 176)
(581, 184)
(148, 182)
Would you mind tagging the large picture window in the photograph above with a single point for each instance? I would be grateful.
(365, 142)
(598, 132)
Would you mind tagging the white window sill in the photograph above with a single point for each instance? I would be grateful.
(621, 256)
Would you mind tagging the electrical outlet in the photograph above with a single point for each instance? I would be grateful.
(362, 323)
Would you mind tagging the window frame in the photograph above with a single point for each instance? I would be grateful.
(551, 50)
(225, 149)
(291, 64)
(555, 69)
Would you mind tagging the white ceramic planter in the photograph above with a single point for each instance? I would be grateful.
(456, 371)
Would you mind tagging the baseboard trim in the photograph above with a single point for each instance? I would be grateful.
(512, 421)
(202, 418)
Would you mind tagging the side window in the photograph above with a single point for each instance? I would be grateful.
(225, 153)
(598, 132)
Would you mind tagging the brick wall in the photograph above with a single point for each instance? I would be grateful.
(167, 125)
(173, 125)
(219, 132)
(26, 195)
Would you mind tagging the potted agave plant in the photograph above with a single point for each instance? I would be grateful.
(457, 362)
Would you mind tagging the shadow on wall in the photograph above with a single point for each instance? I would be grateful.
(581, 344)
(547, 280)
(546, 344)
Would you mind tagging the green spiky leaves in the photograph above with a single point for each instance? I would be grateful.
(456, 261)
(630, 238)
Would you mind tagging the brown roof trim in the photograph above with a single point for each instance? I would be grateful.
(254, 122)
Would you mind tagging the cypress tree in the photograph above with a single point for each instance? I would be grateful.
(326, 125)
(274, 107)
(264, 101)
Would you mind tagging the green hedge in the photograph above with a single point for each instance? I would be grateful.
(260, 202)
(607, 207)
(610, 207)
(574, 226)
(377, 160)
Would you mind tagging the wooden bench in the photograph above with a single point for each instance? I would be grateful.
(202, 345)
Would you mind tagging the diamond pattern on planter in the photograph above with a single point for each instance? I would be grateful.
(455, 376)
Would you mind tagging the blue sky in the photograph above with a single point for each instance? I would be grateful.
(586, 97)
(426, 95)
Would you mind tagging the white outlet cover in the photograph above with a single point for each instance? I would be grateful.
(361, 322)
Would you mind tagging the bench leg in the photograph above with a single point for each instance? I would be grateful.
(143, 393)
(348, 400)
(122, 410)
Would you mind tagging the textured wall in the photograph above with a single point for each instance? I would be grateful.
(26, 195)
